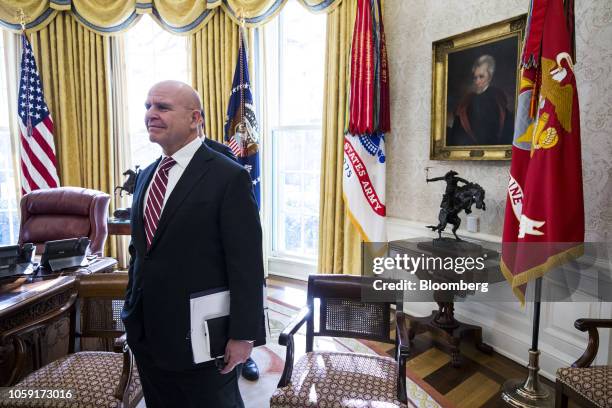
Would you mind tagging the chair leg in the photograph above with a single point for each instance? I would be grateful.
(401, 380)
(561, 400)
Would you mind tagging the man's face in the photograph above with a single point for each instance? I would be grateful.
(481, 78)
(169, 122)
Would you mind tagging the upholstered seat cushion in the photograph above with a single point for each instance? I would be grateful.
(593, 383)
(92, 377)
(329, 379)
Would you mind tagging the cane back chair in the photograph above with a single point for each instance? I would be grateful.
(335, 308)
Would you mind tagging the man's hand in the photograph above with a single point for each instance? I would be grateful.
(236, 352)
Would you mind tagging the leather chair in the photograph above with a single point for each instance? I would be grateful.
(336, 378)
(93, 378)
(588, 386)
(64, 212)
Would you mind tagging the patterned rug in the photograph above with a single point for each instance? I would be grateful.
(271, 359)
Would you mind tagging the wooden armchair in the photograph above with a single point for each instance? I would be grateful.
(94, 378)
(586, 385)
(339, 378)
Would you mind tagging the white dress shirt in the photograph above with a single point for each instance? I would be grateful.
(182, 158)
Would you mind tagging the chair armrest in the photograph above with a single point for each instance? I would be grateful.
(591, 326)
(403, 338)
(402, 353)
(293, 326)
(122, 390)
(585, 324)
(119, 343)
(286, 339)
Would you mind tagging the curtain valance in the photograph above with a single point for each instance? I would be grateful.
(177, 16)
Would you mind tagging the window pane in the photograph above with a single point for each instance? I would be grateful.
(296, 129)
(311, 234)
(4, 107)
(296, 192)
(9, 216)
(292, 232)
(302, 42)
(152, 55)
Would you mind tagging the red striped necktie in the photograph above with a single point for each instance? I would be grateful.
(155, 200)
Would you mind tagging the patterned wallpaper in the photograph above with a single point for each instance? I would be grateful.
(411, 27)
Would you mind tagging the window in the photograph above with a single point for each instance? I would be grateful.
(295, 52)
(152, 55)
(9, 214)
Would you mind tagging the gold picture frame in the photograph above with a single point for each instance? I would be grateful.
(475, 84)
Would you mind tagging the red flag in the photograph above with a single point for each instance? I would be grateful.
(362, 72)
(384, 109)
(369, 90)
(544, 224)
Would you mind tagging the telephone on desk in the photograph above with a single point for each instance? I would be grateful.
(17, 260)
(65, 253)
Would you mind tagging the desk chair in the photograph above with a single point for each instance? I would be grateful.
(64, 212)
(96, 378)
(343, 378)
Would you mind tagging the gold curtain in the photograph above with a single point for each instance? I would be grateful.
(74, 66)
(120, 142)
(339, 240)
(180, 17)
(214, 50)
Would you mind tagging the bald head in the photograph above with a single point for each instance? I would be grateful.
(184, 93)
(174, 115)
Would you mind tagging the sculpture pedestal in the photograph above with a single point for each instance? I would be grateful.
(451, 332)
(448, 331)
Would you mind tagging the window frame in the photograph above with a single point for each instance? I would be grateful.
(278, 263)
(11, 53)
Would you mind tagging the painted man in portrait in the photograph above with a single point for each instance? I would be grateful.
(482, 116)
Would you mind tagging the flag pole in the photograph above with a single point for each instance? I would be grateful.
(241, 127)
(530, 393)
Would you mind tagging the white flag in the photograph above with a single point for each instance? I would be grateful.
(364, 184)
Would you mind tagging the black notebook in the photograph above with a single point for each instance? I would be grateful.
(210, 320)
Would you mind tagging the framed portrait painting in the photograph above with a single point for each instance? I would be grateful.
(474, 92)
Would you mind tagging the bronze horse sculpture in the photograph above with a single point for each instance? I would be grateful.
(455, 200)
(130, 184)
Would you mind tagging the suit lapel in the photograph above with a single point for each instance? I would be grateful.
(196, 169)
(138, 206)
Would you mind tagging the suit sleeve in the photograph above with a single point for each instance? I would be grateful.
(242, 244)
(131, 250)
(128, 291)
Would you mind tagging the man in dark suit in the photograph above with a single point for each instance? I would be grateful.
(195, 226)
(249, 369)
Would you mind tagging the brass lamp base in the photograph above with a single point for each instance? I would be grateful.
(529, 393)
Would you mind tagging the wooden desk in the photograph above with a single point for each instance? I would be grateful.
(442, 322)
(118, 226)
(25, 300)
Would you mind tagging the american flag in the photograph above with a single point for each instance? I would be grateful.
(241, 116)
(38, 162)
